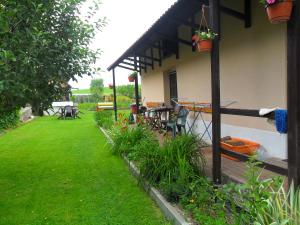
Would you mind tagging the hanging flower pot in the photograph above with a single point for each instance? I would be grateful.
(111, 86)
(204, 38)
(131, 77)
(279, 10)
(205, 45)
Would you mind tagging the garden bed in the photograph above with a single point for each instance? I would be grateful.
(175, 169)
(171, 211)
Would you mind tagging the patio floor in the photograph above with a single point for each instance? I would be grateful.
(235, 170)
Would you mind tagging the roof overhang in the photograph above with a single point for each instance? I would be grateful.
(149, 48)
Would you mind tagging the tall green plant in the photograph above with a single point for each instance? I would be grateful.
(282, 208)
(250, 199)
(104, 118)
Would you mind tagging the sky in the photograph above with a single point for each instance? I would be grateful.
(127, 21)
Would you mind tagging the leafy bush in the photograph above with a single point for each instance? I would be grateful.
(250, 199)
(127, 90)
(123, 101)
(205, 202)
(9, 119)
(104, 118)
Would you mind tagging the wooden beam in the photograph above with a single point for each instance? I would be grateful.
(115, 95)
(160, 54)
(245, 112)
(248, 13)
(148, 57)
(215, 87)
(262, 164)
(127, 68)
(152, 61)
(130, 64)
(293, 90)
(139, 61)
(136, 88)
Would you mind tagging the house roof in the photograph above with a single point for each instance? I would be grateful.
(162, 31)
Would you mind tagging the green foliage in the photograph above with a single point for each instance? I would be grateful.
(9, 119)
(43, 45)
(174, 165)
(250, 199)
(282, 208)
(206, 35)
(123, 101)
(104, 118)
(127, 90)
(205, 202)
(96, 89)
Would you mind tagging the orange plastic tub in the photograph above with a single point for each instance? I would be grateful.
(249, 148)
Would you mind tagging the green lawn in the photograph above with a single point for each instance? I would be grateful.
(62, 172)
(106, 91)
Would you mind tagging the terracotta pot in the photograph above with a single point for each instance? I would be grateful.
(204, 45)
(280, 12)
(131, 78)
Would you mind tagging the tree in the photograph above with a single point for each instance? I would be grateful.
(43, 45)
(96, 88)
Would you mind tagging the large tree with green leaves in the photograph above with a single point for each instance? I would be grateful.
(43, 45)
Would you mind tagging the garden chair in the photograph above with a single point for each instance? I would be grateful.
(69, 112)
(178, 120)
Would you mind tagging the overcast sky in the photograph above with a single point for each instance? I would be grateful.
(127, 21)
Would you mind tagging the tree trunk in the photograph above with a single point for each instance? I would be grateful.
(37, 109)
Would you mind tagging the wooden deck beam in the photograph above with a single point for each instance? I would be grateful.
(293, 89)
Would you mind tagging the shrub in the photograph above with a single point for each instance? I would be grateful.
(127, 90)
(104, 118)
(123, 101)
(9, 119)
(127, 140)
(205, 202)
(250, 199)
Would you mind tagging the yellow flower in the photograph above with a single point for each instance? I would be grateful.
(192, 200)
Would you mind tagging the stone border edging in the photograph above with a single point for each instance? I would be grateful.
(170, 212)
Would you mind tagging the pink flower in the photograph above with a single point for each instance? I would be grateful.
(271, 1)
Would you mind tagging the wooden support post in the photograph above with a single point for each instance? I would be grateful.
(136, 87)
(160, 54)
(293, 89)
(152, 61)
(215, 86)
(115, 95)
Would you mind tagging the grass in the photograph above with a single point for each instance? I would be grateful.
(62, 172)
(106, 91)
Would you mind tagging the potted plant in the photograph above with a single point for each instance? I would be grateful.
(111, 86)
(203, 39)
(278, 10)
(131, 77)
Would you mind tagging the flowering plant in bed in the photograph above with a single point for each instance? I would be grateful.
(203, 39)
(278, 10)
